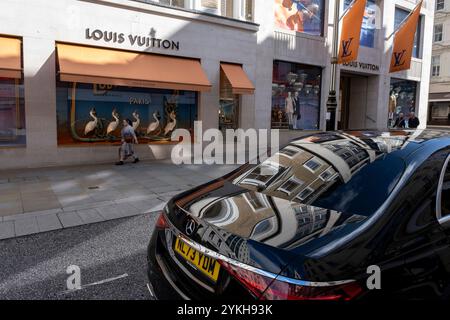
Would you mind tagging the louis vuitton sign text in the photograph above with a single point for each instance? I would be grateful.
(138, 41)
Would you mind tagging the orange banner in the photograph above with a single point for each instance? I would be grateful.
(351, 32)
(404, 42)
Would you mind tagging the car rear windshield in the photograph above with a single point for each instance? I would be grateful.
(357, 183)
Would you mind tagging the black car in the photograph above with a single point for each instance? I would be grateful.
(307, 223)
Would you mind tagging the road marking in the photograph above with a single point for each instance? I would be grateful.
(151, 291)
(98, 283)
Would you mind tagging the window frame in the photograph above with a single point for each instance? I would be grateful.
(294, 179)
(440, 3)
(198, 6)
(446, 219)
(308, 188)
(436, 66)
(441, 32)
(313, 159)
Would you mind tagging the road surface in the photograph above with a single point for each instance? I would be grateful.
(111, 256)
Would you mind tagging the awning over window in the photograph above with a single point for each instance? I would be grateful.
(10, 58)
(239, 80)
(124, 68)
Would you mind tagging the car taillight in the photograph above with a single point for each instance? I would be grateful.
(162, 223)
(267, 288)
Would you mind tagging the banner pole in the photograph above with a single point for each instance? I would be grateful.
(332, 99)
(346, 10)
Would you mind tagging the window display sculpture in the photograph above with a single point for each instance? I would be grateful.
(113, 125)
(154, 126)
(137, 121)
(91, 125)
(159, 134)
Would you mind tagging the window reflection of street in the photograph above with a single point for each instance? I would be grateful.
(273, 202)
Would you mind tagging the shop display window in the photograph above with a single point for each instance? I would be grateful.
(296, 92)
(12, 113)
(402, 99)
(439, 113)
(93, 113)
(300, 15)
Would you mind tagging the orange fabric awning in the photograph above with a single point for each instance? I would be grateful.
(10, 58)
(239, 80)
(124, 68)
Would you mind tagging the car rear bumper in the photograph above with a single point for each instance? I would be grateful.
(162, 288)
(170, 282)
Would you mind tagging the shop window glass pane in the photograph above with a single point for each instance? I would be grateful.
(402, 100)
(400, 16)
(94, 113)
(368, 29)
(300, 15)
(440, 113)
(295, 96)
(229, 105)
(12, 113)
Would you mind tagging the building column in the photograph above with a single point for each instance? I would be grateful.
(40, 100)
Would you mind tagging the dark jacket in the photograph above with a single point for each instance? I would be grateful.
(414, 123)
(399, 123)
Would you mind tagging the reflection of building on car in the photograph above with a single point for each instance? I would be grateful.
(306, 223)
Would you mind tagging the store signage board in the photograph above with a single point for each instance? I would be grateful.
(362, 66)
(133, 40)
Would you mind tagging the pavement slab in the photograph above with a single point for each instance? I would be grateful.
(48, 199)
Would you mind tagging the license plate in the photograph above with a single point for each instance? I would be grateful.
(207, 265)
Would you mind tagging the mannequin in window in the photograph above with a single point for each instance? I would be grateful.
(297, 114)
(392, 106)
(290, 109)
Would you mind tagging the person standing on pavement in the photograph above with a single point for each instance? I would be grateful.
(413, 121)
(126, 149)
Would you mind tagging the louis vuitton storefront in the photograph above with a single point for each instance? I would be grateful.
(65, 92)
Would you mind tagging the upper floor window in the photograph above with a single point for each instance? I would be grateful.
(435, 66)
(438, 32)
(440, 5)
(300, 15)
(444, 196)
(368, 29)
(212, 6)
(400, 16)
(237, 9)
(174, 3)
